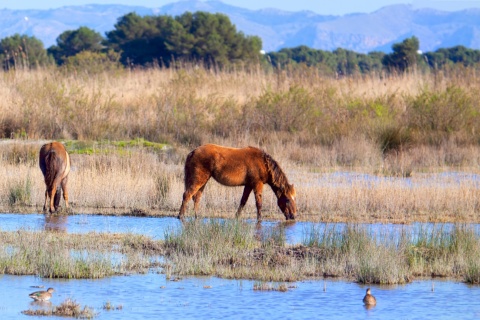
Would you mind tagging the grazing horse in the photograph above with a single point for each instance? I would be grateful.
(249, 167)
(55, 166)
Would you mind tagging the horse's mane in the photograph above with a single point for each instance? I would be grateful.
(278, 178)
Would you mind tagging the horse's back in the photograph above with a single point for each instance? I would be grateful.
(229, 166)
(54, 151)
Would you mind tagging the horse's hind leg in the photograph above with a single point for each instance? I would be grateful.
(187, 195)
(56, 201)
(46, 201)
(65, 191)
(246, 192)
(196, 199)
(52, 193)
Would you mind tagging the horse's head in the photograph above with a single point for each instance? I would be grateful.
(286, 202)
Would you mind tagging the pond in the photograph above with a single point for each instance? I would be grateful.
(152, 296)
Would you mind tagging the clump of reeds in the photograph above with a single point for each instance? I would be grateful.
(263, 286)
(109, 306)
(68, 308)
(200, 245)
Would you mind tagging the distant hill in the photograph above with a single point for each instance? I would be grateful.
(375, 31)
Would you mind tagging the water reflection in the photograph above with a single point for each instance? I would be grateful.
(41, 304)
(56, 222)
(368, 306)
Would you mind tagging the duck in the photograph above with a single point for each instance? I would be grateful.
(369, 300)
(42, 295)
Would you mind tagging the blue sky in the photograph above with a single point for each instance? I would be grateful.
(336, 7)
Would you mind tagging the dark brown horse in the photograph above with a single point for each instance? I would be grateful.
(55, 165)
(249, 167)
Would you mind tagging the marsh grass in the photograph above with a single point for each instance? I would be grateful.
(236, 249)
(200, 245)
(68, 308)
(91, 255)
(397, 256)
(264, 286)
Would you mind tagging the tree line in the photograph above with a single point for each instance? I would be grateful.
(213, 41)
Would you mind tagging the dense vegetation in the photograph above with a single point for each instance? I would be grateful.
(213, 41)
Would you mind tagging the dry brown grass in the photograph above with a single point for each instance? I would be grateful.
(191, 106)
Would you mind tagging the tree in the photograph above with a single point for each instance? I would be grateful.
(71, 42)
(216, 40)
(404, 55)
(200, 37)
(147, 40)
(22, 51)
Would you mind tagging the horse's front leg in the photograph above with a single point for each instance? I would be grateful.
(243, 201)
(258, 201)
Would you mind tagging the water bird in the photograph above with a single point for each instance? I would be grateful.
(41, 295)
(369, 300)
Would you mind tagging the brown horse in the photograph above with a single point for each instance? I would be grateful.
(249, 167)
(55, 165)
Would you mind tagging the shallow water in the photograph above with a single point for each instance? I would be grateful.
(149, 226)
(152, 296)
(156, 227)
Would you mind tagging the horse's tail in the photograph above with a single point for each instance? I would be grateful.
(188, 170)
(52, 166)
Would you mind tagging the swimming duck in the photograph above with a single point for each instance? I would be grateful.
(41, 295)
(369, 300)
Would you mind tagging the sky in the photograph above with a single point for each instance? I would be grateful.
(324, 7)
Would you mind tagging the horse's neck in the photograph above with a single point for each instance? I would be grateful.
(274, 181)
(275, 189)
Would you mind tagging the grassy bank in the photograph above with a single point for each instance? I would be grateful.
(237, 250)
(135, 177)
